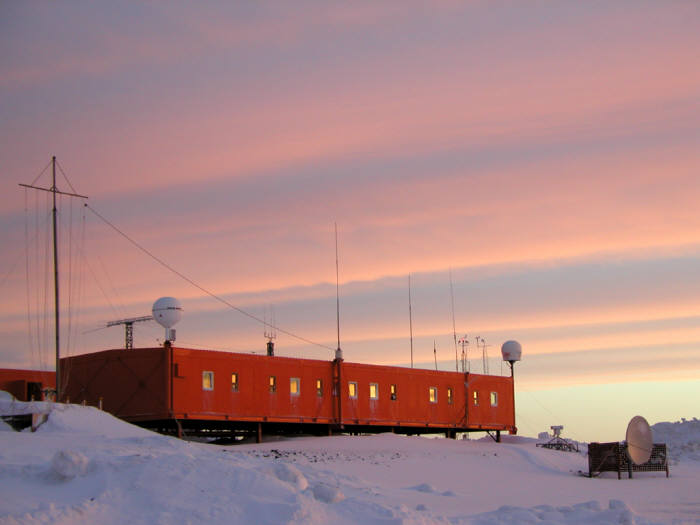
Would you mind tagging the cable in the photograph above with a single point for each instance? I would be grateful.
(65, 176)
(200, 288)
(40, 174)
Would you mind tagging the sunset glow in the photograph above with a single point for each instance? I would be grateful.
(547, 157)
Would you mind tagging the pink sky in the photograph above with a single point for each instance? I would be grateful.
(547, 155)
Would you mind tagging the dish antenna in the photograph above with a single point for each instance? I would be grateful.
(167, 312)
(639, 440)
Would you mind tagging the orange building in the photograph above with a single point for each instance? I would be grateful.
(181, 390)
(26, 385)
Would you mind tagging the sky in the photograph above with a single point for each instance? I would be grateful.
(537, 164)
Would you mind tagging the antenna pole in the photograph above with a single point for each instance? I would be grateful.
(337, 291)
(54, 212)
(410, 317)
(435, 354)
(454, 330)
(55, 281)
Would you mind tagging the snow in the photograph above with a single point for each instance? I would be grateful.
(681, 438)
(84, 466)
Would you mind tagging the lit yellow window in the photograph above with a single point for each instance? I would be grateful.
(432, 394)
(319, 387)
(494, 399)
(294, 386)
(373, 391)
(392, 391)
(475, 397)
(234, 382)
(207, 380)
(273, 384)
(352, 389)
(449, 395)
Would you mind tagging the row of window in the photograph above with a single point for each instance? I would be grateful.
(295, 389)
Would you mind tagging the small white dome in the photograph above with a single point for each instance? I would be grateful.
(512, 351)
(167, 311)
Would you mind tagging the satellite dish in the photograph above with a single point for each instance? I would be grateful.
(639, 440)
(167, 312)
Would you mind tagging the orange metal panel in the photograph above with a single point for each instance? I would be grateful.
(164, 383)
(412, 404)
(253, 399)
(485, 414)
(133, 384)
(17, 381)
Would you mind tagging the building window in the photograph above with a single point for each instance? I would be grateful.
(494, 399)
(352, 389)
(294, 386)
(373, 391)
(273, 384)
(475, 397)
(449, 396)
(432, 391)
(392, 392)
(234, 382)
(319, 387)
(207, 380)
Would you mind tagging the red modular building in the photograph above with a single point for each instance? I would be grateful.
(26, 385)
(189, 391)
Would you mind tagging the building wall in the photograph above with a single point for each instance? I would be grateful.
(412, 405)
(489, 412)
(253, 399)
(22, 383)
(131, 384)
(168, 383)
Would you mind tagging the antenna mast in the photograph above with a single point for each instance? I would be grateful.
(271, 335)
(338, 352)
(410, 317)
(53, 189)
(129, 328)
(465, 356)
(454, 330)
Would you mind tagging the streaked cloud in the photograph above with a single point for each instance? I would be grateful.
(547, 156)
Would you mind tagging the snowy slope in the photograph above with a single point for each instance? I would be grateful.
(681, 437)
(83, 466)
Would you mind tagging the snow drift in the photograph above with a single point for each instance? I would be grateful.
(84, 466)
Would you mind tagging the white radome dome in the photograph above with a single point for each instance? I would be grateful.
(511, 351)
(167, 311)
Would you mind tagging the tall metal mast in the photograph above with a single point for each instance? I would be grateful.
(53, 189)
(454, 329)
(338, 352)
(410, 317)
(55, 280)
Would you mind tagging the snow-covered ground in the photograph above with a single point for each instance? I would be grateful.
(84, 466)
